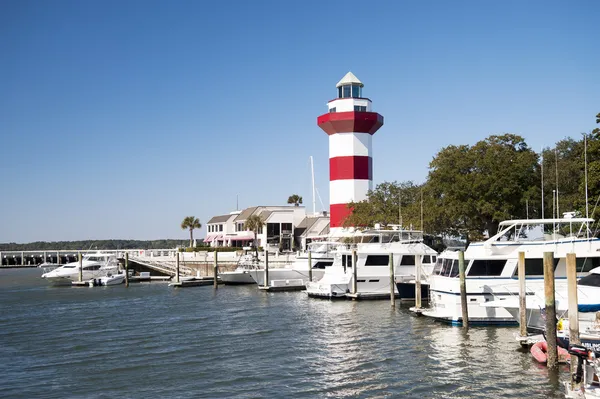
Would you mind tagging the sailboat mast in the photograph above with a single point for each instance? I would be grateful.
(542, 164)
(587, 210)
(556, 171)
(314, 199)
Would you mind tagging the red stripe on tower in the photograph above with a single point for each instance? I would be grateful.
(350, 124)
(353, 167)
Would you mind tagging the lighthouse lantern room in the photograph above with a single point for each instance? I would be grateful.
(350, 124)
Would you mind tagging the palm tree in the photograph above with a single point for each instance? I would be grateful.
(191, 223)
(254, 223)
(294, 199)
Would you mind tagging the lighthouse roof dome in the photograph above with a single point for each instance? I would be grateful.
(349, 79)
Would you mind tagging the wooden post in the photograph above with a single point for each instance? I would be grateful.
(216, 269)
(266, 282)
(354, 273)
(418, 282)
(80, 266)
(23, 259)
(58, 257)
(573, 310)
(310, 266)
(44, 261)
(126, 269)
(392, 281)
(522, 296)
(463, 290)
(177, 267)
(552, 362)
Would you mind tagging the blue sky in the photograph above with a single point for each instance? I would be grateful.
(119, 118)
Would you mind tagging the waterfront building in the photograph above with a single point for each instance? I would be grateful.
(350, 124)
(277, 233)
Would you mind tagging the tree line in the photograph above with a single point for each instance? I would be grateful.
(92, 245)
(470, 189)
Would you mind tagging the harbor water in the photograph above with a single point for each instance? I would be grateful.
(150, 340)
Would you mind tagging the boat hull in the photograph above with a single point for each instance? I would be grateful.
(236, 278)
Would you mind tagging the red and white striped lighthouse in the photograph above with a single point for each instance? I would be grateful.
(350, 124)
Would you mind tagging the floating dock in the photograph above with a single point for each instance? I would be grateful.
(194, 282)
(284, 285)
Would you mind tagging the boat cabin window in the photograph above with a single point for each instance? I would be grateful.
(438, 266)
(407, 260)
(322, 265)
(377, 260)
(426, 259)
(347, 260)
(534, 267)
(91, 267)
(69, 266)
(592, 280)
(587, 264)
(487, 267)
(446, 266)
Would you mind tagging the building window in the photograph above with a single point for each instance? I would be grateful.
(346, 91)
(360, 108)
(220, 227)
(356, 91)
(332, 109)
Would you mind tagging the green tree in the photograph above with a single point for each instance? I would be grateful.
(191, 223)
(389, 203)
(254, 223)
(294, 199)
(593, 158)
(472, 189)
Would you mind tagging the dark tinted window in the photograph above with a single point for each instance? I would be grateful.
(592, 279)
(322, 265)
(587, 264)
(408, 260)
(486, 267)
(534, 267)
(347, 260)
(426, 259)
(377, 260)
(454, 269)
(438, 266)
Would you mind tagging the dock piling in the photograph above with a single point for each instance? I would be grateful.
(552, 362)
(310, 266)
(463, 290)
(392, 282)
(126, 269)
(522, 296)
(80, 266)
(177, 267)
(418, 282)
(216, 269)
(266, 282)
(354, 273)
(573, 311)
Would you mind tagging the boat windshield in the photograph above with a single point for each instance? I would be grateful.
(543, 231)
(96, 258)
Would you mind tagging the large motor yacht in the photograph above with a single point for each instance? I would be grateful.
(373, 250)
(491, 266)
(321, 257)
(92, 266)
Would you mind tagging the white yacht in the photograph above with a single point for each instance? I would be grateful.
(588, 300)
(241, 274)
(491, 266)
(321, 252)
(373, 249)
(93, 266)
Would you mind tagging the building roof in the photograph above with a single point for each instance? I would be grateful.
(245, 214)
(264, 215)
(348, 79)
(219, 219)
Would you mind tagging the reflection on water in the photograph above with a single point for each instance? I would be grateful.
(149, 340)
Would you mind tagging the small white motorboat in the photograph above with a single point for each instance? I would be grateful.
(109, 279)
